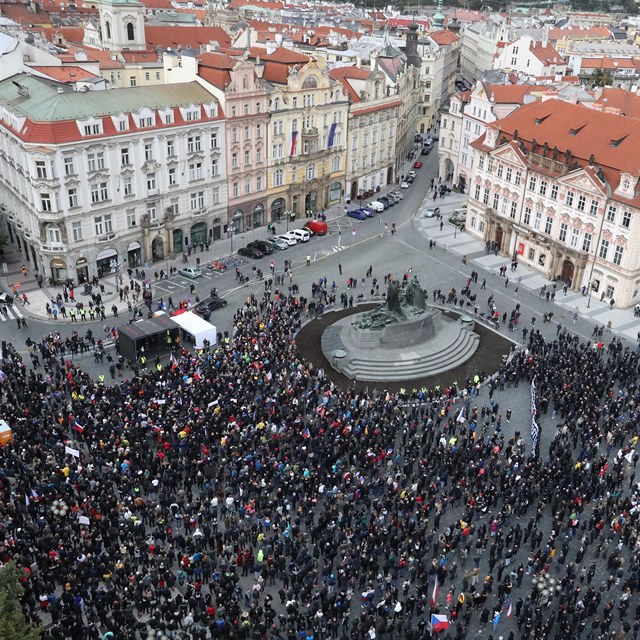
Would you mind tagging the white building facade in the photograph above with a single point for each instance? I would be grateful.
(96, 182)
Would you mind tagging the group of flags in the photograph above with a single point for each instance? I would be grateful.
(440, 621)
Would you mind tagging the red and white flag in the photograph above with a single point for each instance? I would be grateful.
(434, 595)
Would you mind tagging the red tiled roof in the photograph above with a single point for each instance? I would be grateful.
(66, 74)
(376, 107)
(607, 63)
(215, 67)
(510, 93)
(194, 37)
(546, 53)
(273, 6)
(444, 37)
(70, 34)
(626, 102)
(140, 56)
(103, 58)
(23, 14)
(613, 140)
(343, 74)
(579, 33)
(286, 56)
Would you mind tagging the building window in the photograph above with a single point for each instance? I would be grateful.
(95, 161)
(617, 255)
(69, 168)
(586, 242)
(335, 163)
(247, 158)
(258, 131)
(195, 171)
(569, 199)
(193, 144)
(532, 183)
(148, 151)
(214, 140)
(626, 219)
(259, 154)
(99, 192)
(131, 33)
(508, 174)
(496, 202)
(531, 254)
(45, 201)
(485, 196)
(216, 195)
(278, 178)
(171, 148)
(197, 200)
(609, 291)
(152, 212)
(548, 225)
(554, 192)
(604, 249)
(481, 163)
(575, 236)
(53, 235)
(582, 202)
(41, 169)
(234, 160)
(151, 182)
(92, 130)
(173, 177)
(500, 170)
(311, 171)
(192, 115)
(103, 225)
(247, 186)
(73, 197)
(537, 223)
(235, 189)
(518, 178)
(133, 82)
(563, 232)
(215, 167)
(76, 231)
(611, 213)
(131, 218)
(593, 207)
(247, 131)
(168, 117)
(490, 165)
(124, 157)
(477, 193)
(259, 183)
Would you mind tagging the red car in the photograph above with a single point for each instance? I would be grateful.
(417, 164)
(317, 227)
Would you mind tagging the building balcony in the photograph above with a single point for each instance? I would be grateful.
(312, 132)
(53, 248)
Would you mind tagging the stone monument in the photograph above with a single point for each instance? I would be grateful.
(401, 339)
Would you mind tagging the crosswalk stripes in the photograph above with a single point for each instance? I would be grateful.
(13, 313)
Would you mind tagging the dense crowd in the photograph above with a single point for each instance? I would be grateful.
(241, 494)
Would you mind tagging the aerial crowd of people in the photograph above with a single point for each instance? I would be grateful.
(240, 493)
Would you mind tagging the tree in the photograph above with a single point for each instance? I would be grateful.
(600, 78)
(13, 626)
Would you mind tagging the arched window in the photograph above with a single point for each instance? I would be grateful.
(107, 27)
(131, 32)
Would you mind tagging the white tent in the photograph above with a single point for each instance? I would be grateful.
(195, 326)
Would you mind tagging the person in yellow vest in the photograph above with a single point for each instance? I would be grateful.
(101, 378)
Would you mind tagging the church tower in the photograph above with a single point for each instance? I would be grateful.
(411, 46)
(122, 25)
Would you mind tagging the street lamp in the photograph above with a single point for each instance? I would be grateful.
(231, 232)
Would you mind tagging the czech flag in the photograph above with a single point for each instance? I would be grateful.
(173, 361)
(294, 142)
(509, 611)
(78, 427)
(439, 622)
(197, 375)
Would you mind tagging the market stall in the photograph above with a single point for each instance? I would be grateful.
(194, 329)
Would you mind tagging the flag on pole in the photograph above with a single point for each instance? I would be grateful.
(78, 427)
(439, 622)
(434, 595)
(294, 142)
(197, 375)
(509, 610)
(332, 135)
(461, 417)
(173, 361)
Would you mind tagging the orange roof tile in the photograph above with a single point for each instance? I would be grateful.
(70, 34)
(546, 53)
(65, 74)
(194, 37)
(140, 56)
(607, 63)
(444, 37)
(626, 102)
(579, 33)
(510, 93)
(23, 14)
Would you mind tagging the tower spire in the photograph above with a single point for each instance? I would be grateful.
(438, 17)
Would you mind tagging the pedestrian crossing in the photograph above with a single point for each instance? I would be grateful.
(12, 313)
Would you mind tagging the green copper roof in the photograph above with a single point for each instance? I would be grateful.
(41, 102)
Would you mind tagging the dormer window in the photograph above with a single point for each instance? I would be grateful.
(626, 183)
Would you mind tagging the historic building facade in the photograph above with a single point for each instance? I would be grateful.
(556, 185)
(95, 182)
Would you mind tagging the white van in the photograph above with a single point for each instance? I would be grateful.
(301, 235)
(376, 206)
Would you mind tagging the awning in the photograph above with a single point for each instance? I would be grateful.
(58, 263)
(133, 246)
(107, 253)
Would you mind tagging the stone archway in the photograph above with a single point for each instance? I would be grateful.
(568, 270)
(354, 190)
(157, 249)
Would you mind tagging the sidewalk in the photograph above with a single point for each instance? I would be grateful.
(462, 243)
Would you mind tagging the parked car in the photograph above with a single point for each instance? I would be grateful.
(5, 298)
(397, 194)
(262, 245)
(386, 202)
(431, 212)
(417, 164)
(278, 243)
(302, 235)
(317, 227)
(404, 185)
(357, 214)
(191, 272)
(376, 206)
(426, 149)
(210, 304)
(250, 252)
(411, 174)
(289, 239)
